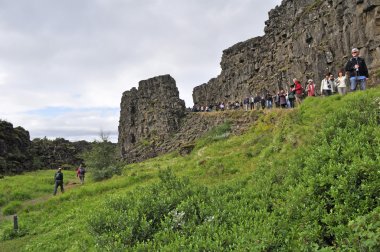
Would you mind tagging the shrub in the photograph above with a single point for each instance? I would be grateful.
(128, 220)
(12, 207)
(101, 160)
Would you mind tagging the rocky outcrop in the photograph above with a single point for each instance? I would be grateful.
(50, 154)
(303, 39)
(149, 115)
(19, 154)
(15, 156)
(192, 127)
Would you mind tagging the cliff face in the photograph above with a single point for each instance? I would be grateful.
(153, 121)
(15, 156)
(148, 115)
(303, 39)
(18, 154)
(50, 154)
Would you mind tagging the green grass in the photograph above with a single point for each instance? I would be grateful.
(299, 180)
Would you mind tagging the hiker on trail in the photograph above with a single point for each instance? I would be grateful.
(340, 83)
(310, 88)
(358, 70)
(80, 173)
(326, 85)
(58, 179)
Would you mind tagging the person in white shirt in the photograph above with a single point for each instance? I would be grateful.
(327, 85)
(340, 83)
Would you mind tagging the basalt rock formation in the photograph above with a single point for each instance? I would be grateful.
(149, 115)
(50, 154)
(153, 121)
(303, 39)
(19, 154)
(15, 156)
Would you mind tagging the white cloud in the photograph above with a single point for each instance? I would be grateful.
(83, 54)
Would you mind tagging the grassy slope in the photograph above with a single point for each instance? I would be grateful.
(283, 158)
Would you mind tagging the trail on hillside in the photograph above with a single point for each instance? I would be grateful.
(70, 185)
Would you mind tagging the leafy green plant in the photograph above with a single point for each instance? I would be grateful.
(101, 160)
(12, 207)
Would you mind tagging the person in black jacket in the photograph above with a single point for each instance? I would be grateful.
(58, 178)
(358, 70)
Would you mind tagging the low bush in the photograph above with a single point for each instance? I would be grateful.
(12, 207)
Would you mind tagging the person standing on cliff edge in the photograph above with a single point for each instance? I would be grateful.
(358, 70)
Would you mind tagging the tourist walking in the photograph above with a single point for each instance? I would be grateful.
(58, 181)
(81, 171)
(358, 71)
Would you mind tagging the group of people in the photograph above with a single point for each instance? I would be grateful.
(355, 71)
(58, 178)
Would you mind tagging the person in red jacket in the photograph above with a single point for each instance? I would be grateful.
(80, 173)
(310, 88)
(299, 91)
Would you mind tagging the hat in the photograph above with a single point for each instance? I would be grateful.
(59, 168)
(355, 50)
(310, 80)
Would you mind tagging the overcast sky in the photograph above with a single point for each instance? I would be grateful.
(64, 64)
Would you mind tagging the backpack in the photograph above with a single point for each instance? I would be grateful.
(82, 171)
(291, 94)
(58, 176)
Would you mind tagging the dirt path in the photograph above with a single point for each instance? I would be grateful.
(70, 185)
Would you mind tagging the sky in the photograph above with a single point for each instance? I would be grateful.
(65, 64)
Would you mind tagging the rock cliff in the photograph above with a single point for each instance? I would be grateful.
(149, 115)
(153, 121)
(15, 156)
(19, 154)
(303, 39)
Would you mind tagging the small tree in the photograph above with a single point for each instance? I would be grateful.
(102, 159)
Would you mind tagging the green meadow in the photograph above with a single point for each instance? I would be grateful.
(306, 179)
